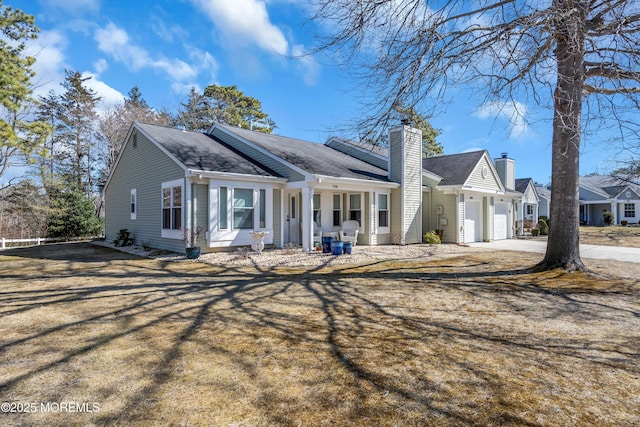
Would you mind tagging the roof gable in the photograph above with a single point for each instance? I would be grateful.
(527, 187)
(454, 169)
(472, 169)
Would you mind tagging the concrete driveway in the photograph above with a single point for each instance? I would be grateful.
(617, 253)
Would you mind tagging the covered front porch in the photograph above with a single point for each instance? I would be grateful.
(313, 209)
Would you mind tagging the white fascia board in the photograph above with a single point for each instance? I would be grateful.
(596, 202)
(431, 175)
(235, 176)
(307, 175)
(323, 179)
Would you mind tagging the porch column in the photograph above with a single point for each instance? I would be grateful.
(535, 213)
(306, 219)
(521, 216)
(614, 211)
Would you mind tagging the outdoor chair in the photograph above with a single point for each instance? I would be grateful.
(317, 233)
(349, 231)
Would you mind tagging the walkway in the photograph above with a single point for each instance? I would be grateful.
(617, 253)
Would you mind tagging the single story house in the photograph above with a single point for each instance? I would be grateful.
(230, 182)
(601, 193)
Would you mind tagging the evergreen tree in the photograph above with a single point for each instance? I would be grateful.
(223, 104)
(72, 215)
(77, 123)
(18, 137)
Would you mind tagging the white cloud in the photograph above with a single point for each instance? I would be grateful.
(245, 22)
(48, 49)
(167, 32)
(309, 68)
(109, 96)
(176, 69)
(513, 111)
(100, 66)
(115, 41)
(204, 62)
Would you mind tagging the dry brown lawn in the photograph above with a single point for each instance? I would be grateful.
(611, 236)
(473, 339)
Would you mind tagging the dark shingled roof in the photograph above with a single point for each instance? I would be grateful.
(454, 168)
(202, 152)
(311, 157)
(521, 184)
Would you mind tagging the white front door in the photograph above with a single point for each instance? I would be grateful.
(293, 217)
(472, 221)
(501, 221)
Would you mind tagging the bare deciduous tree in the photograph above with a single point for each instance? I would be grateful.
(569, 54)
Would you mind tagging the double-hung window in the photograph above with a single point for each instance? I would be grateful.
(243, 208)
(629, 210)
(172, 201)
(355, 207)
(316, 210)
(383, 210)
(337, 210)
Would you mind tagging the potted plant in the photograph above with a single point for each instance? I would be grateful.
(191, 236)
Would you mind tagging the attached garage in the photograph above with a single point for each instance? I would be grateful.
(473, 221)
(501, 221)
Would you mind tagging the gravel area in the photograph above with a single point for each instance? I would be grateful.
(294, 257)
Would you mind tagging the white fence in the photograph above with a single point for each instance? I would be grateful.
(4, 243)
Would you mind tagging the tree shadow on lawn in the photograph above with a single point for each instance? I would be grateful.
(448, 342)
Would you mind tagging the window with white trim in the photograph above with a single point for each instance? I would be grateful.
(316, 210)
(355, 208)
(629, 210)
(172, 202)
(262, 207)
(223, 207)
(134, 204)
(243, 208)
(529, 209)
(383, 210)
(337, 210)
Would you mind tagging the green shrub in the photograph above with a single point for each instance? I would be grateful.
(543, 226)
(535, 232)
(72, 215)
(124, 238)
(608, 218)
(546, 219)
(431, 238)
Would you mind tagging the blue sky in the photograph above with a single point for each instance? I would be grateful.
(167, 46)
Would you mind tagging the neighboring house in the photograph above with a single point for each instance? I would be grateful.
(233, 181)
(528, 206)
(544, 200)
(601, 193)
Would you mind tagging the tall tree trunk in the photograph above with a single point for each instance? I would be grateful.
(563, 249)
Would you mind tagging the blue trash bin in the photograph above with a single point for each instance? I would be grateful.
(347, 247)
(336, 247)
(326, 244)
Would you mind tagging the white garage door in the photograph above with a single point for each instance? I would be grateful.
(472, 221)
(501, 221)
